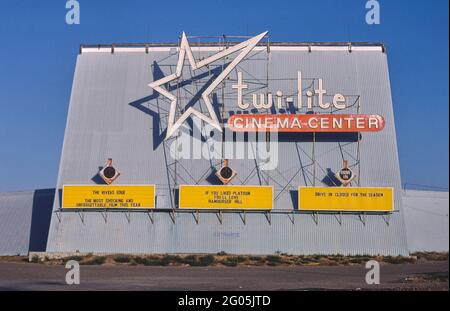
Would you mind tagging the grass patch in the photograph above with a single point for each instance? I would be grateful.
(96, 260)
(274, 259)
(399, 260)
(35, 259)
(122, 259)
(76, 258)
(191, 260)
(230, 262)
(207, 260)
(432, 256)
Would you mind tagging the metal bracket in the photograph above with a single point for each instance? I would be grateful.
(220, 216)
(59, 216)
(315, 217)
(172, 216)
(387, 219)
(128, 216)
(112, 49)
(268, 46)
(243, 217)
(350, 47)
(362, 217)
(269, 217)
(292, 219)
(105, 215)
(81, 214)
(196, 216)
(338, 217)
(309, 49)
(151, 216)
(146, 49)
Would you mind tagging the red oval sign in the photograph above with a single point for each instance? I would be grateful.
(306, 122)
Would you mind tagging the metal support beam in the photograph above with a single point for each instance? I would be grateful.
(269, 217)
(338, 217)
(387, 219)
(220, 216)
(196, 216)
(315, 217)
(362, 217)
(172, 216)
(104, 215)
(151, 216)
(59, 216)
(128, 216)
(243, 217)
(81, 214)
(292, 218)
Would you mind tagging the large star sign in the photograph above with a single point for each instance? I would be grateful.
(185, 49)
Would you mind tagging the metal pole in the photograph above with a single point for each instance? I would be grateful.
(358, 148)
(314, 158)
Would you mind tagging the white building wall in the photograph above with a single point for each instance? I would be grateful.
(426, 218)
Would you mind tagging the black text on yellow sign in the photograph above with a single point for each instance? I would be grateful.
(354, 199)
(114, 197)
(226, 197)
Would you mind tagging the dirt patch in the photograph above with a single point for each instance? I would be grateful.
(13, 258)
(436, 277)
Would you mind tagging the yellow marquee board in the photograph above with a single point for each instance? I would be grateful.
(226, 197)
(103, 196)
(351, 199)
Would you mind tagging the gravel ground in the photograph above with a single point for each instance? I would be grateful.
(19, 275)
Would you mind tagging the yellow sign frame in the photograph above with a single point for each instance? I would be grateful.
(136, 188)
(204, 205)
(324, 202)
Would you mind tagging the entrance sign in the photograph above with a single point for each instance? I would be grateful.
(352, 199)
(226, 197)
(114, 197)
(306, 123)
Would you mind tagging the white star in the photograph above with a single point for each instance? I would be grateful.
(172, 126)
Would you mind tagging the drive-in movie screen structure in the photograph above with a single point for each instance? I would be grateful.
(230, 154)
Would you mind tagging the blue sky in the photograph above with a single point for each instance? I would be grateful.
(38, 53)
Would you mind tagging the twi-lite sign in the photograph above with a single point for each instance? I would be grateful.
(313, 98)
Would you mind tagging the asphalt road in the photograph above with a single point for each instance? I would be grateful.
(35, 277)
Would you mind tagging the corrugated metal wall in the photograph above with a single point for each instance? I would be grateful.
(24, 221)
(426, 218)
(113, 113)
(15, 215)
